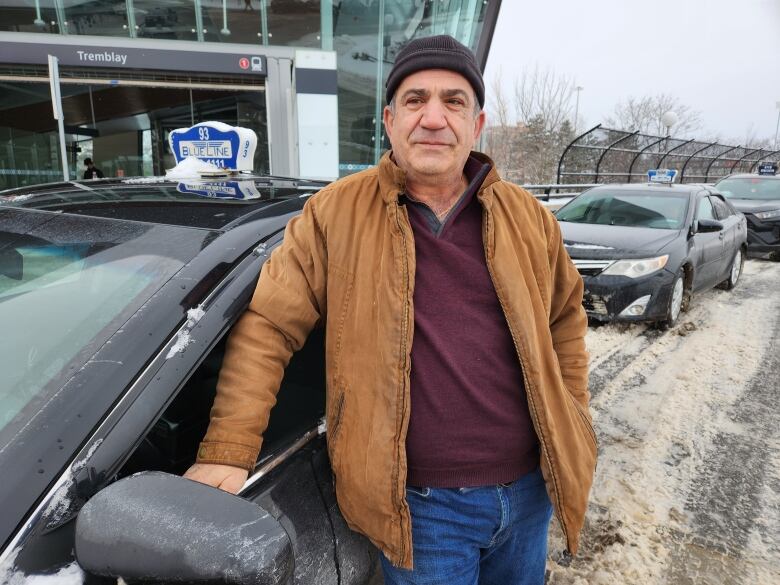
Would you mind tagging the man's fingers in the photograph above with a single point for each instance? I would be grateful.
(233, 483)
(225, 477)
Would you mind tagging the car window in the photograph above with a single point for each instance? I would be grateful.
(762, 188)
(172, 443)
(721, 209)
(705, 210)
(65, 290)
(627, 208)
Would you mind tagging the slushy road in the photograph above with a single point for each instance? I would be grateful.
(688, 482)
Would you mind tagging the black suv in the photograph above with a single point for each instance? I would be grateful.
(758, 197)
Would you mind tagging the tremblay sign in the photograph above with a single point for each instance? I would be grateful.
(103, 57)
(135, 58)
(224, 146)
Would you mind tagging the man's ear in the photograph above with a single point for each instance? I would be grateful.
(388, 118)
(479, 124)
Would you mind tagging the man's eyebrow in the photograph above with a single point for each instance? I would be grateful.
(448, 93)
(416, 92)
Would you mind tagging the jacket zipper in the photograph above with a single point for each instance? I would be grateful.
(532, 411)
(404, 336)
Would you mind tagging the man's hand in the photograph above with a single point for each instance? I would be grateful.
(224, 477)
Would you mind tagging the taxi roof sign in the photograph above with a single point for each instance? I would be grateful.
(661, 175)
(225, 146)
(220, 189)
(767, 168)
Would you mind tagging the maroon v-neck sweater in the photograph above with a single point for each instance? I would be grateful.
(469, 422)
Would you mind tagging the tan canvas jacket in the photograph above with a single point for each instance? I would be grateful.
(348, 262)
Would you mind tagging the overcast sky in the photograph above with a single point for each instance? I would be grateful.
(720, 57)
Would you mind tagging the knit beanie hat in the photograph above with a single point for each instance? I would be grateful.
(439, 52)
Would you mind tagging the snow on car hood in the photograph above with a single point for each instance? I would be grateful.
(585, 240)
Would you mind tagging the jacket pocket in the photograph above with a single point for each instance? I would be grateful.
(585, 419)
(334, 427)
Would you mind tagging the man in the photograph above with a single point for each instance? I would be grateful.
(91, 171)
(457, 407)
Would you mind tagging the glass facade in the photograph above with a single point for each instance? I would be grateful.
(123, 128)
(365, 34)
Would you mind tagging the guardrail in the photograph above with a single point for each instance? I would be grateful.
(548, 189)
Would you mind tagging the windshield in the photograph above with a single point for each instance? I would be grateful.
(627, 208)
(750, 188)
(66, 285)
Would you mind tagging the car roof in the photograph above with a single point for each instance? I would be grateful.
(199, 203)
(750, 176)
(662, 189)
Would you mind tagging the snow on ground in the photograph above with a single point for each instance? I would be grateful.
(687, 488)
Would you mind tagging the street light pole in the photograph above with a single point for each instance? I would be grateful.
(578, 89)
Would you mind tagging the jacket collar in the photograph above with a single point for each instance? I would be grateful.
(392, 179)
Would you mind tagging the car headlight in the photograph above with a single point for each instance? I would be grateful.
(637, 268)
(768, 214)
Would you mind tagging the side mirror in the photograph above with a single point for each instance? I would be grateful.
(708, 225)
(163, 528)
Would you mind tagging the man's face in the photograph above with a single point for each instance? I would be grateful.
(434, 125)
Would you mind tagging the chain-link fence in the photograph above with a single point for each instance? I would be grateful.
(604, 155)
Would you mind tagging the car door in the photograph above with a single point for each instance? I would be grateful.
(284, 481)
(707, 246)
(158, 424)
(357, 558)
(731, 224)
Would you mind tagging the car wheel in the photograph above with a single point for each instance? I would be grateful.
(735, 272)
(676, 300)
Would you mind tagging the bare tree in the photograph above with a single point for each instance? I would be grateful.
(751, 139)
(527, 148)
(544, 97)
(500, 135)
(543, 106)
(644, 114)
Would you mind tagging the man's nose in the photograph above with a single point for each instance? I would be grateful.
(433, 117)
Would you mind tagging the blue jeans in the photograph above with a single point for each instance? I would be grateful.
(492, 535)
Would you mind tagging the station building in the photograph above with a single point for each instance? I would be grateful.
(306, 75)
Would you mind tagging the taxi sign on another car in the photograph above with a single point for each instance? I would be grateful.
(767, 168)
(661, 175)
(225, 146)
(221, 189)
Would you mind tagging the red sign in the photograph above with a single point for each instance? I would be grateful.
(243, 63)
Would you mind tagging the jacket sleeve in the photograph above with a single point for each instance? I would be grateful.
(568, 321)
(288, 302)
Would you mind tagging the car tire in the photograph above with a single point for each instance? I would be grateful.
(677, 299)
(735, 271)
